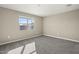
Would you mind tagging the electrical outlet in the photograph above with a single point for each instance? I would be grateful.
(8, 37)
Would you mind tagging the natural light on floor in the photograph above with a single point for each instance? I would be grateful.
(26, 49)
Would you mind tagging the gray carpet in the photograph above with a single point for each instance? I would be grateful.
(43, 45)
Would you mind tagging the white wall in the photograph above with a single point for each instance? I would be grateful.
(10, 26)
(0, 26)
(65, 25)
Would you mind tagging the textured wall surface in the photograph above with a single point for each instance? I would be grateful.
(9, 26)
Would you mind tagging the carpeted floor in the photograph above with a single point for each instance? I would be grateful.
(41, 45)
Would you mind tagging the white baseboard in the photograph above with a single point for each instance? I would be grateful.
(63, 38)
(40, 35)
(19, 40)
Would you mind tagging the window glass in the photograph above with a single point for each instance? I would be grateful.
(22, 20)
(25, 23)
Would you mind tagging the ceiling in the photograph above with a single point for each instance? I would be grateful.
(42, 10)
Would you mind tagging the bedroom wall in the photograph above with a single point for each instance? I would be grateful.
(64, 25)
(9, 26)
(0, 25)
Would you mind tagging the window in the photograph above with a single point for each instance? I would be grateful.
(30, 24)
(25, 23)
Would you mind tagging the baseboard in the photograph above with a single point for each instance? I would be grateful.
(19, 39)
(63, 38)
(40, 35)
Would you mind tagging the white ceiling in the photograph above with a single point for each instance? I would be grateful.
(41, 9)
